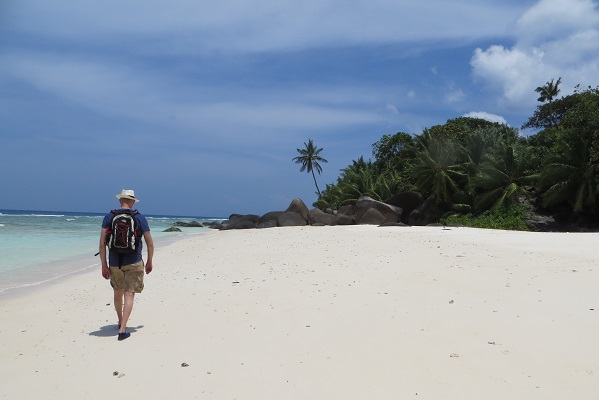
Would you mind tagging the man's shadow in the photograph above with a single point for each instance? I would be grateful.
(113, 330)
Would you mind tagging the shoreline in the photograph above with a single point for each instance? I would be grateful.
(324, 312)
(73, 266)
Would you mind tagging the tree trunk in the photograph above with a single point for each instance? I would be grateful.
(317, 189)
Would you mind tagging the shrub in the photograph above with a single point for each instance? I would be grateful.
(511, 218)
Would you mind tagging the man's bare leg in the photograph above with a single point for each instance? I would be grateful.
(129, 298)
(118, 304)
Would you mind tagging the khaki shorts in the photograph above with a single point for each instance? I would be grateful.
(129, 277)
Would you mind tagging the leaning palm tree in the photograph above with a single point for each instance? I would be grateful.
(309, 159)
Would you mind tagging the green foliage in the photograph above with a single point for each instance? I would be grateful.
(583, 117)
(359, 179)
(394, 151)
(438, 171)
(570, 177)
(548, 91)
(332, 197)
(502, 176)
(550, 114)
(507, 218)
(457, 129)
(483, 141)
(541, 145)
(477, 169)
(362, 178)
(571, 172)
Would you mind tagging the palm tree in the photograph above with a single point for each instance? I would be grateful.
(502, 176)
(363, 178)
(438, 170)
(358, 179)
(309, 159)
(571, 176)
(548, 91)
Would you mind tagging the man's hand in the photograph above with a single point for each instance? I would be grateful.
(148, 267)
(105, 272)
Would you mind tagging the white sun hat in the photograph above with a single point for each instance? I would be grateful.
(127, 194)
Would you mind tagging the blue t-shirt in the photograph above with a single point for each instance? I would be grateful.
(113, 258)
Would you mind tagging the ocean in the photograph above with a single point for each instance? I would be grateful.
(38, 246)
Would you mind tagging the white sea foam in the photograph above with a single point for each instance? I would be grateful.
(32, 215)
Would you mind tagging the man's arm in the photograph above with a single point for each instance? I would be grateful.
(105, 269)
(150, 247)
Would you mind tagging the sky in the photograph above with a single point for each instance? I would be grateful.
(200, 107)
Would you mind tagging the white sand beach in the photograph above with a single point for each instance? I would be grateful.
(346, 312)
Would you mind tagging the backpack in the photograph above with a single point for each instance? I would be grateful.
(124, 233)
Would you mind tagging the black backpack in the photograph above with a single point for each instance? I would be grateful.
(124, 232)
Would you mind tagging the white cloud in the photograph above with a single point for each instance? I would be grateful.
(391, 108)
(454, 95)
(246, 25)
(486, 116)
(555, 19)
(242, 116)
(554, 38)
(514, 72)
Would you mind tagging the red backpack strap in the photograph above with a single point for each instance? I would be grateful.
(137, 232)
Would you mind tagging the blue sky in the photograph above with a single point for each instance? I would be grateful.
(200, 107)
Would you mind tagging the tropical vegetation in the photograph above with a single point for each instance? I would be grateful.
(483, 173)
(310, 160)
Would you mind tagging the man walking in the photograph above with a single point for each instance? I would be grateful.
(122, 231)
